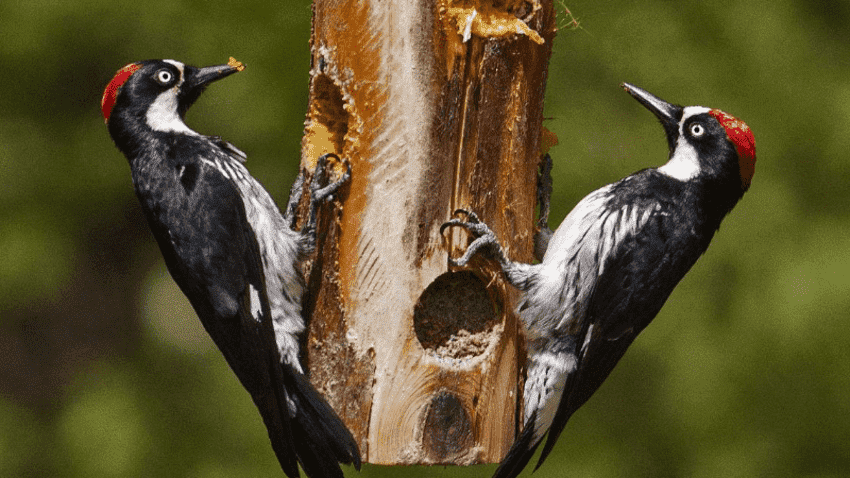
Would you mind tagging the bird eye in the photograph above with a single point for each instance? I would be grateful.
(697, 130)
(164, 77)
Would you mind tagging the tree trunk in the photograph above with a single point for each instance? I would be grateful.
(436, 106)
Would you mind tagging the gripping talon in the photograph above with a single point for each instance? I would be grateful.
(450, 223)
(327, 191)
(484, 237)
(319, 173)
(319, 193)
(470, 216)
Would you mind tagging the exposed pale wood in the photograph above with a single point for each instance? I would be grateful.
(420, 362)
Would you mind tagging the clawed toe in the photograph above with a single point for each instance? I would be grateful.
(472, 223)
(326, 193)
(453, 222)
(470, 216)
(484, 237)
(319, 193)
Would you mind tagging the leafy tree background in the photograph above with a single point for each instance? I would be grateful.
(105, 371)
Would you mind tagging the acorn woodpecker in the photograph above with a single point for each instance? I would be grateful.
(612, 263)
(231, 251)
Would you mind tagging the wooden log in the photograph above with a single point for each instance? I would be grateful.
(437, 105)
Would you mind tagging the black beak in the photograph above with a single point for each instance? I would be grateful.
(196, 80)
(667, 113)
(201, 77)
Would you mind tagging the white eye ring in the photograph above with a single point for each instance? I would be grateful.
(697, 130)
(164, 76)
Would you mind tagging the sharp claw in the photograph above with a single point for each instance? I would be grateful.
(483, 237)
(470, 216)
(444, 226)
(453, 222)
(319, 193)
(327, 191)
(320, 167)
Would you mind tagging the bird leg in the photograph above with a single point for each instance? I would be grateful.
(295, 193)
(544, 196)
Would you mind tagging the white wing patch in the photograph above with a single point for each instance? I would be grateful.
(587, 336)
(544, 387)
(281, 250)
(256, 307)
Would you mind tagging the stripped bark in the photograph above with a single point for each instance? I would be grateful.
(437, 105)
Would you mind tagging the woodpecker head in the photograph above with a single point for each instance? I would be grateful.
(704, 143)
(154, 95)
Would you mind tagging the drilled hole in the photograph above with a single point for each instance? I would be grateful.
(455, 316)
(326, 132)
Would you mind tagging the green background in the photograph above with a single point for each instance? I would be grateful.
(105, 371)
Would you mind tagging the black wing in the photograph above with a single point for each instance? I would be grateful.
(198, 219)
(638, 277)
(212, 253)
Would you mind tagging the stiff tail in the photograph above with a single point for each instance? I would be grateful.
(273, 409)
(520, 453)
(282, 442)
(320, 439)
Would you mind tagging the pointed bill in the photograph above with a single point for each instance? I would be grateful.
(662, 109)
(668, 114)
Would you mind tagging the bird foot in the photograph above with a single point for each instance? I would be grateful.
(484, 237)
(318, 193)
(326, 193)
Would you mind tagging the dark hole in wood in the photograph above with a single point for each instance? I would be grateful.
(447, 431)
(455, 316)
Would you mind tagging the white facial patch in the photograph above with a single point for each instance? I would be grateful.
(684, 164)
(162, 114)
(180, 67)
(691, 111)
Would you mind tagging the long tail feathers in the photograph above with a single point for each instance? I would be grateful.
(520, 453)
(551, 439)
(321, 441)
(278, 423)
(282, 444)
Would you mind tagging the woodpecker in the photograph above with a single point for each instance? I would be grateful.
(612, 263)
(231, 251)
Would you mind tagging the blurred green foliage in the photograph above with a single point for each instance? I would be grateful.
(746, 372)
